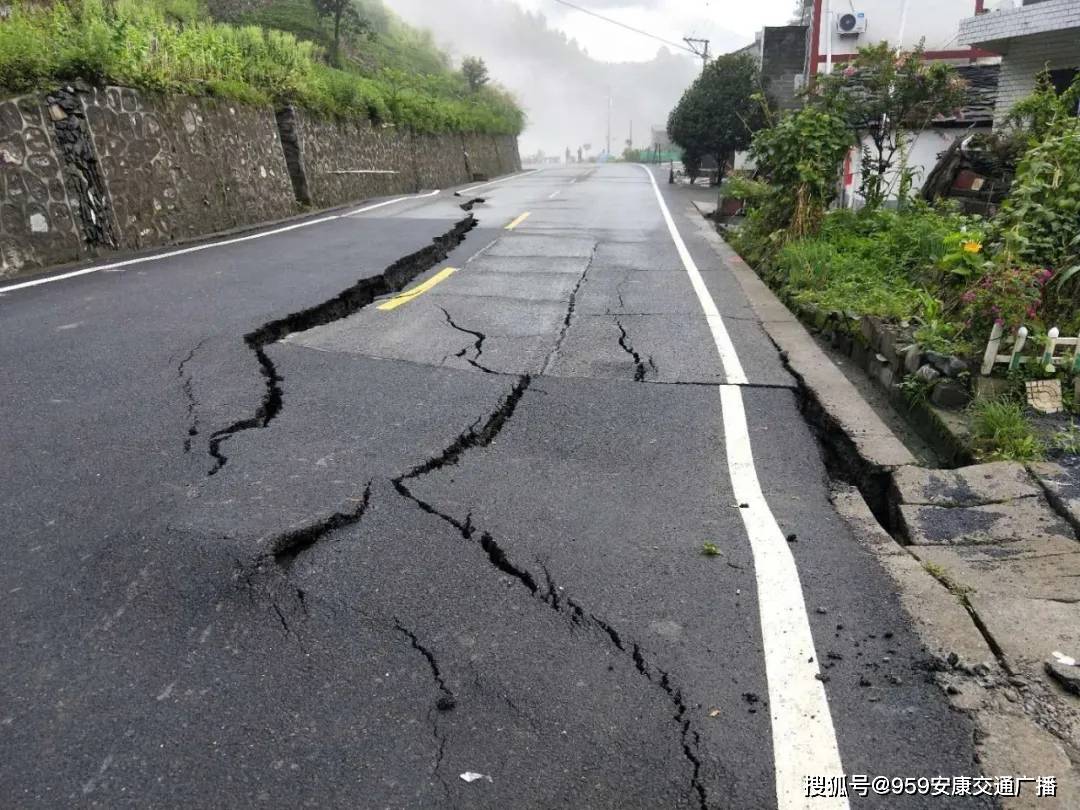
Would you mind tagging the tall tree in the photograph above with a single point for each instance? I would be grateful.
(475, 72)
(720, 111)
(344, 15)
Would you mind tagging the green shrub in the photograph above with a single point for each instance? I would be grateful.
(851, 276)
(878, 262)
(1041, 217)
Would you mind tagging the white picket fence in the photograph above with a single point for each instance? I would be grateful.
(1015, 358)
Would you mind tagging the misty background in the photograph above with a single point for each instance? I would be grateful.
(563, 90)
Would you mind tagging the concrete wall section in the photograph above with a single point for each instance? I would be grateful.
(37, 222)
(1006, 22)
(511, 156)
(483, 156)
(180, 167)
(783, 60)
(923, 149)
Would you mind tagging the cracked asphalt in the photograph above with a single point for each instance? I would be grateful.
(267, 544)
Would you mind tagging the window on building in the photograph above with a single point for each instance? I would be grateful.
(1063, 79)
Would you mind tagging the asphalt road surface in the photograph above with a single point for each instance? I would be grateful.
(276, 535)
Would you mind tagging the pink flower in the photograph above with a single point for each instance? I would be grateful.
(999, 321)
(849, 71)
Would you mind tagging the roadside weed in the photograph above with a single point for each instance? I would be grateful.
(1001, 431)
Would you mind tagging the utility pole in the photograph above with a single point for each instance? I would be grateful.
(701, 48)
(609, 122)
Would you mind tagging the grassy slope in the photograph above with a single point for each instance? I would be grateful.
(392, 75)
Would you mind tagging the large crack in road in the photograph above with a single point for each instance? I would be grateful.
(478, 345)
(285, 548)
(551, 594)
(351, 300)
(187, 387)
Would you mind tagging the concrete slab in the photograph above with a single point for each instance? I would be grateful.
(1061, 481)
(521, 285)
(554, 245)
(1022, 519)
(639, 292)
(669, 348)
(571, 265)
(1036, 569)
(1011, 744)
(967, 486)
(1066, 675)
(1029, 630)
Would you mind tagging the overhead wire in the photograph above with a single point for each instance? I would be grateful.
(627, 27)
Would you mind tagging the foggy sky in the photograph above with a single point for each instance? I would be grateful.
(563, 90)
(729, 24)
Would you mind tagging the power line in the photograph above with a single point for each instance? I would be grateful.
(627, 27)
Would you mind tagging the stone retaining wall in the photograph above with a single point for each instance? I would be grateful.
(179, 167)
(37, 222)
(85, 170)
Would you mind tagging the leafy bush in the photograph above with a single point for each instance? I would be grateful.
(1041, 217)
(161, 45)
(880, 94)
(718, 112)
(800, 157)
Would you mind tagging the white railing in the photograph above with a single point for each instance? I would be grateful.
(1049, 359)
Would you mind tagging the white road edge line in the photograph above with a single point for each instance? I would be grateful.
(118, 266)
(733, 370)
(804, 740)
(500, 180)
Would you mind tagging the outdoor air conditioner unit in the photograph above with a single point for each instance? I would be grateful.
(851, 24)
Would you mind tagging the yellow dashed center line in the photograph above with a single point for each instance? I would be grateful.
(518, 221)
(419, 289)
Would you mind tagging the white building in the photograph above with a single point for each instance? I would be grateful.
(838, 28)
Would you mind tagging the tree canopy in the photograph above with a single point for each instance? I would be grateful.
(345, 16)
(475, 72)
(719, 113)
